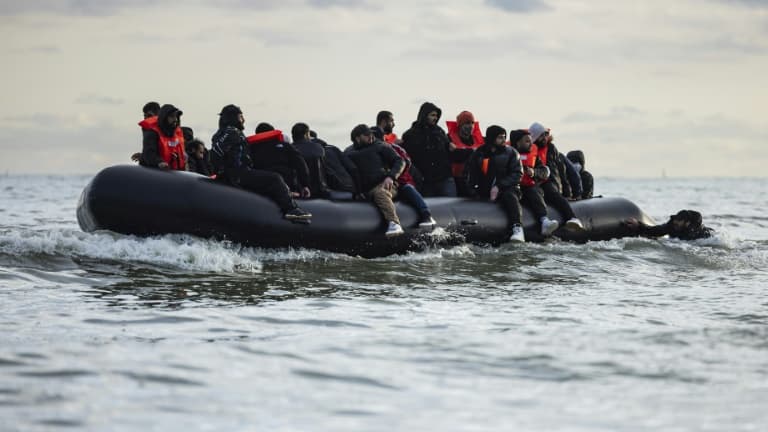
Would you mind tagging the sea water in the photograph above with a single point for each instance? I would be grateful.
(101, 331)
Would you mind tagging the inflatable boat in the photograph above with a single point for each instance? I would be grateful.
(142, 201)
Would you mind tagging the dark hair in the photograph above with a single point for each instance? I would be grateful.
(189, 134)
(152, 108)
(382, 115)
(264, 127)
(298, 131)
(358, 130)
(312, 134)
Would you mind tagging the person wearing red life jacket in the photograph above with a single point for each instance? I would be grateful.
(533, 173)
(271, 150)
(150, 109)
(548, 155)
(163, 143)
(465, 137)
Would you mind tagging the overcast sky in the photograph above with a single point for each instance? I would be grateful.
(642, 87)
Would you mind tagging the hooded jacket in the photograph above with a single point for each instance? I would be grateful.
(492, 165)
(694, 231)
(229, 147)
(587, 180)
(161, 142)
(340, 171)
(375, 162)
(313, 154)
(429, 146)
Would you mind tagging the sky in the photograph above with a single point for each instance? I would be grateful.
(645, 89)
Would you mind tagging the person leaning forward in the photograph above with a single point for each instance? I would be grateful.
(378, 167)
(232, 164)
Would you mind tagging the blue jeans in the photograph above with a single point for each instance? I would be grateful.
(409, 194)
(444, 188)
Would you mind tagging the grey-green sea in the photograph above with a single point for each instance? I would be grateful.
(108, 332)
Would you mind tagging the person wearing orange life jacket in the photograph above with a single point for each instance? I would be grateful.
(548, 154)
(465, 137)
(163, 143)
(493, 172)
(150, 109)
(533, 174)
(270, 149)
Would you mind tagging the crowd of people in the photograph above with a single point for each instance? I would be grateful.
(522, 166)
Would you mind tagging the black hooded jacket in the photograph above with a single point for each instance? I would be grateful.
(374, 162)
(340, 172)
(283, 158)
(314, 156)
(504, 167)
(229, 148)
(694, 231)
(587, 180)
(150, 156)
(429, 146)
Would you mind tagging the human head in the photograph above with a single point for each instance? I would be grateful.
(685, 219)
(539, 133)
(151, 109)
(386, 121)
(300, 132)
(231, 115)
(520, 139)
(189, 134)
(264, 127)
(429, 114)
(361, 134)
(495, 136)
(197, 148)
(577, 157)
(313, 134)
(168, 119)
(466, 122)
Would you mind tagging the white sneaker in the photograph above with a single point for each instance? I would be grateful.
(517, 234)
(393, 230)
(574, 224)
(548, 226)
(427, 223)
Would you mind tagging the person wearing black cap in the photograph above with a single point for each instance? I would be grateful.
(163, 142)
(684, 225)
(378, 167)
(232, 163)
(493, 171)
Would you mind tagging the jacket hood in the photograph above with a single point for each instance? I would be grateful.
(536, 130)
(426, 108)
(165, 111)
(229, 116)
(465, 117)
(576, 156)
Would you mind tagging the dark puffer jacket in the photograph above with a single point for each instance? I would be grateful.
(374, 163)
(504, 168)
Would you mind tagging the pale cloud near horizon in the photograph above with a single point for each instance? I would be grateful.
(627, 83)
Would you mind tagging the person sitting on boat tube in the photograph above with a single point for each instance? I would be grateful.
(378, 167)
(406, 186)
(465, 137)
(232, 164)
(150, 109)
(493, 172)
(547, 154)
(429, 147)
(340, 171)
(684, 225)
(314, 156)
(271, 150)
(533, 174)
(163, 143)
(587, 180)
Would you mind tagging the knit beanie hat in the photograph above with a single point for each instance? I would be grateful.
(536, 130)
(465, 117)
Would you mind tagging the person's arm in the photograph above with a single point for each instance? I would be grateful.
(514, 171)
(574, 178)
(471, 173)
(298, 164)
(149, 155)
(396, 163)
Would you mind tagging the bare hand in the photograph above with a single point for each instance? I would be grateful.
(305, 192)
(162, 165)
(529, 171)
(494, 193)
(387, 183)
(451, 146)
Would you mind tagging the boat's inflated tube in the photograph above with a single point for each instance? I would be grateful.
(143, 201)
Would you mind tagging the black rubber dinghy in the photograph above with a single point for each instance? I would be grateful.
(142, 201)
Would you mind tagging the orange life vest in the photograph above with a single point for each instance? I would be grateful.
(267, 136)
(170, 149)
(457, 168)
(529, 160)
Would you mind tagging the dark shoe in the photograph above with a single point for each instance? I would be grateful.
(297, 214)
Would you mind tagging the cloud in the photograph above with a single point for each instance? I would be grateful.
(71, 7)
(94, 99)
(757, 4)
(519, 6)
(616, 113)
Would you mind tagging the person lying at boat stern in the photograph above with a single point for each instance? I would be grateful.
(494, 172)
(406, 185)
(232, 164)
(548, 155)
(533, 174)
(684, 225)
(163, 141)
(378, 167)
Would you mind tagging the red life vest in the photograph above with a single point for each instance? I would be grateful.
(457, 168)
(529, 160)
(405, 177)
(390, 138)
(170, 149)
(268, 136)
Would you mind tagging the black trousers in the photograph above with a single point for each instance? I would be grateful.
(267, 183)
(534, 198)
(557, 200)
(509, 200)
